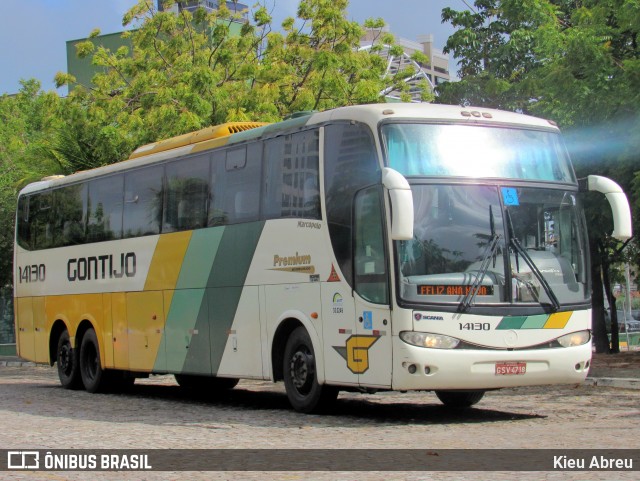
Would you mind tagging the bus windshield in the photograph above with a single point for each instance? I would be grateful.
(460, 150)
(483, 244)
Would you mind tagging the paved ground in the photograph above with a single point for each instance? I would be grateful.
(625, 364)
(36, 413)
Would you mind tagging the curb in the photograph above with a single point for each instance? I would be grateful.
(17, 364)
(615, 382)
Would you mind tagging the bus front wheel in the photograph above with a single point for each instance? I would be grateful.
(300, 379)
(460, 399)
(68, 362)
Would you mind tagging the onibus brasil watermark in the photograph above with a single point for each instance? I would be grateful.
(35, 460)
(267, 460)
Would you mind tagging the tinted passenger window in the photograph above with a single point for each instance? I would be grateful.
(235, 180)
(351, 163)
(104, 208)
(371, 280)
(40, 208)
(70, 215)
(187, 194)
(142, 202)
(23, 233)
(292, 180)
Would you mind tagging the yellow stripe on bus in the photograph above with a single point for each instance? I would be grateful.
(167, 261)
(558, 320)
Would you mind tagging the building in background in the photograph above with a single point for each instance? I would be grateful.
(434, 72)
(208, 5)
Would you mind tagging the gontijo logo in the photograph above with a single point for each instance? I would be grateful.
(356, 352)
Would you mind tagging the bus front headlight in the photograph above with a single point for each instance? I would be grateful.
(574, 339)
(427, 339)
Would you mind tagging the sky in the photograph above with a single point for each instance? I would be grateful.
(33, 33)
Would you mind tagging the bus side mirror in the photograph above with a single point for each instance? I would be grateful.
(618, 201)
(401, 200)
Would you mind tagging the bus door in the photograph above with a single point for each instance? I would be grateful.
(371, 347)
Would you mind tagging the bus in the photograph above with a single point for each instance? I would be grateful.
(376, 247)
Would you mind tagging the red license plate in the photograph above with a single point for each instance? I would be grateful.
(510, 368)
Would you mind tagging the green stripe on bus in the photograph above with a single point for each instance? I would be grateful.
(188, 306)
(514, 322)
(196, 267)
(535, 322)
(224, 286)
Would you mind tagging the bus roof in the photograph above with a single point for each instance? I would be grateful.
(232, 133)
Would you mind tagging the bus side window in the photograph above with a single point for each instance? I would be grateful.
(143, 202)
(187, 194)
(41, 221)
(273, 160)
(70, 214)
(350, 163)
(371, 280)
(104, 209)
(291, 176)
(216, 215)
(23, 229)
(236, 187)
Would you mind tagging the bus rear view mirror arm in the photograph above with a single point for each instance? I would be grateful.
(401, 204)
(618, 201)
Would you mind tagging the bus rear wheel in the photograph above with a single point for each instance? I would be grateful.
(68, 363)
(300, 379)
(460, 399)
(93, 376)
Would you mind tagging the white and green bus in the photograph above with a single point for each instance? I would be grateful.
(377, 247)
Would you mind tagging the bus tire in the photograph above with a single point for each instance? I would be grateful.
(460, 399)
(68, 363)
(205, 383)
(300, 379)
(93, 376)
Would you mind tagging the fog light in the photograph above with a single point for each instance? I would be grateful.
(412, 369)
(427, 370)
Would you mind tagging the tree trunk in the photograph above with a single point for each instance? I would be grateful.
(615, 340)
(600, 339)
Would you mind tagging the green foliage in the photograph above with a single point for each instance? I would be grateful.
(28, 122)
(577, 63)
(185, 72)
(181, 73)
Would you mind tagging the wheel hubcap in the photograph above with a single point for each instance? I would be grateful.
(91, 363)
(64, 358)
(302, 371)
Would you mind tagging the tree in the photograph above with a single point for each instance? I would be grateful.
(187, 71)
(28, 121)
(179, 73)
(577, 63)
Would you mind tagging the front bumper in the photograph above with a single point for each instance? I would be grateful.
(416, 368)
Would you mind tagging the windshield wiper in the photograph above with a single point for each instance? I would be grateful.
(489, 254)
(517, 247)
